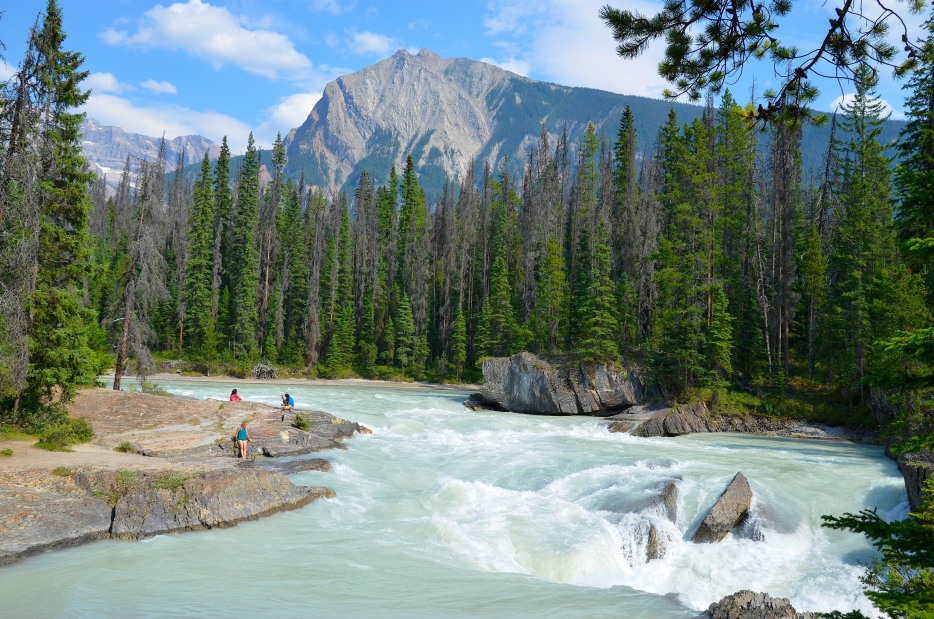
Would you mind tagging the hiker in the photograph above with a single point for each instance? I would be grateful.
(234, 397)
(243, 438)
(287, 402)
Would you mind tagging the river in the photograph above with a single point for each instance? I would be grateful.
(444, 512)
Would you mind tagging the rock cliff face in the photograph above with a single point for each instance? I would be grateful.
(525, 383)
(916, 468)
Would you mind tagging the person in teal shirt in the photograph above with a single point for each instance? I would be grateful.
(243, 438)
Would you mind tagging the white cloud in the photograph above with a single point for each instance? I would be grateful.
(215, 35)
(160, 87)
(372, 43)
(289, 113)
(103, 82)
(519, 67)
(6, 70)
(566, 42)
(172, 121)
(335, 7)
(847, 99)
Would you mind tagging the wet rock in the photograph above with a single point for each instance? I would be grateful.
(525, 383)
(729, 510)
(621, 426)
(916, 468)
(751, 605)
(657, 544)
(677, 421)
(476, 402)
(294, 466)
(669, 501)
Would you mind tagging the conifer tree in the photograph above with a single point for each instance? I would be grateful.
(599, 341)
(199, 278)
(294, 276)
(221, 267)
(458, 354)
(340, 350)
(244, 278)
(404, 334)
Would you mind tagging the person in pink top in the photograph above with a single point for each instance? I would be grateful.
(234, 397)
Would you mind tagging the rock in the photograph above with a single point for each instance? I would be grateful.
(476, 402)
(657, 544)
(525, 383)
(916, 468)
(751, 605)
(729, 510)
(263, 371)
(621, 426)
(149, 503)
(40, 512)
(293, 466)
(669, 501)
(677, 421)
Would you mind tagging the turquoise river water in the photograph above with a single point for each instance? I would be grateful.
(443, 512)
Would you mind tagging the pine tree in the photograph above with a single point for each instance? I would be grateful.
(222, 265)
(405, 334)
(599, 341)
(458, 354)
(198, 280)
(340, 350)
(294, 276)
(244, 279)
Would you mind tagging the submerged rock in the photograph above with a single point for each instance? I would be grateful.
(729, 510)
(677, 421)
(669, 501)
(751, 605)
(657, 544)
(525, 383)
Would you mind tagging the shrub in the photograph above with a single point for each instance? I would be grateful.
(126, 448)
(6, 452)
(302, 423)
(60, 436)
(171, 481)
(61, 471)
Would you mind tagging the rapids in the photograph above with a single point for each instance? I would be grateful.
(444, 512)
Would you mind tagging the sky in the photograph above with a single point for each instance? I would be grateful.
(225, 68)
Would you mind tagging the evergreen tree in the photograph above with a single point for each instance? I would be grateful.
(340, 350)
(244, 278)
(601, 329)
(294, 277)
(199, 278)
(459, 342)
(405, 334)
(222, 265)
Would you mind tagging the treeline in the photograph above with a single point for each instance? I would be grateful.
(712, 263)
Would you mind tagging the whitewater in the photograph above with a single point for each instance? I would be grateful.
(445, 512)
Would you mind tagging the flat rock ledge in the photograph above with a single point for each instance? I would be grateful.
(729, 511)
(73, 507)
(526, 383)
(751, 605)
(697, 418)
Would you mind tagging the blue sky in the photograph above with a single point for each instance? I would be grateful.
(216, 67)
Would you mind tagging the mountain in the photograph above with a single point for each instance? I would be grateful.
(107, 148)
(448, 113)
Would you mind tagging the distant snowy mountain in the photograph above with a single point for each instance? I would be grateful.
(107, 149)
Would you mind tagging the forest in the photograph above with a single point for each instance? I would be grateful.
(706, 259)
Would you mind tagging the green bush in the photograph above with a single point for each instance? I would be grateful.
(60, 436)
(126, 448)
(302, 423)
(6, 452)
(171, 481)
(61, 471)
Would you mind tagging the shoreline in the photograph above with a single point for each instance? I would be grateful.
(308, 382)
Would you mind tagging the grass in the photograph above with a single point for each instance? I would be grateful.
(61, 471)
(171, 481)
(6, 452)
(126, 448)
(12, 433)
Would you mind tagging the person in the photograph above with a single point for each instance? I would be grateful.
(234, 397)
(287, 402)
(243, 437)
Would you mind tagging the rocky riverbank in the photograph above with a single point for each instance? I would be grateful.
(176, 471)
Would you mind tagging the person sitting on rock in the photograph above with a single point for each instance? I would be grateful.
(243, 438)
(234, 397)
(287, 402)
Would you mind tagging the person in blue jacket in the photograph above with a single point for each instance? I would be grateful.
(287, 402)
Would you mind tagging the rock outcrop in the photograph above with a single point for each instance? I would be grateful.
(751, 605)
(525, 383)
(694, 418)
(728, 512)
(916, 468)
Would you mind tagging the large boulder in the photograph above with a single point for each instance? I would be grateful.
(677, 421)
(729, 511)
(525, 383)
(751, 605)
